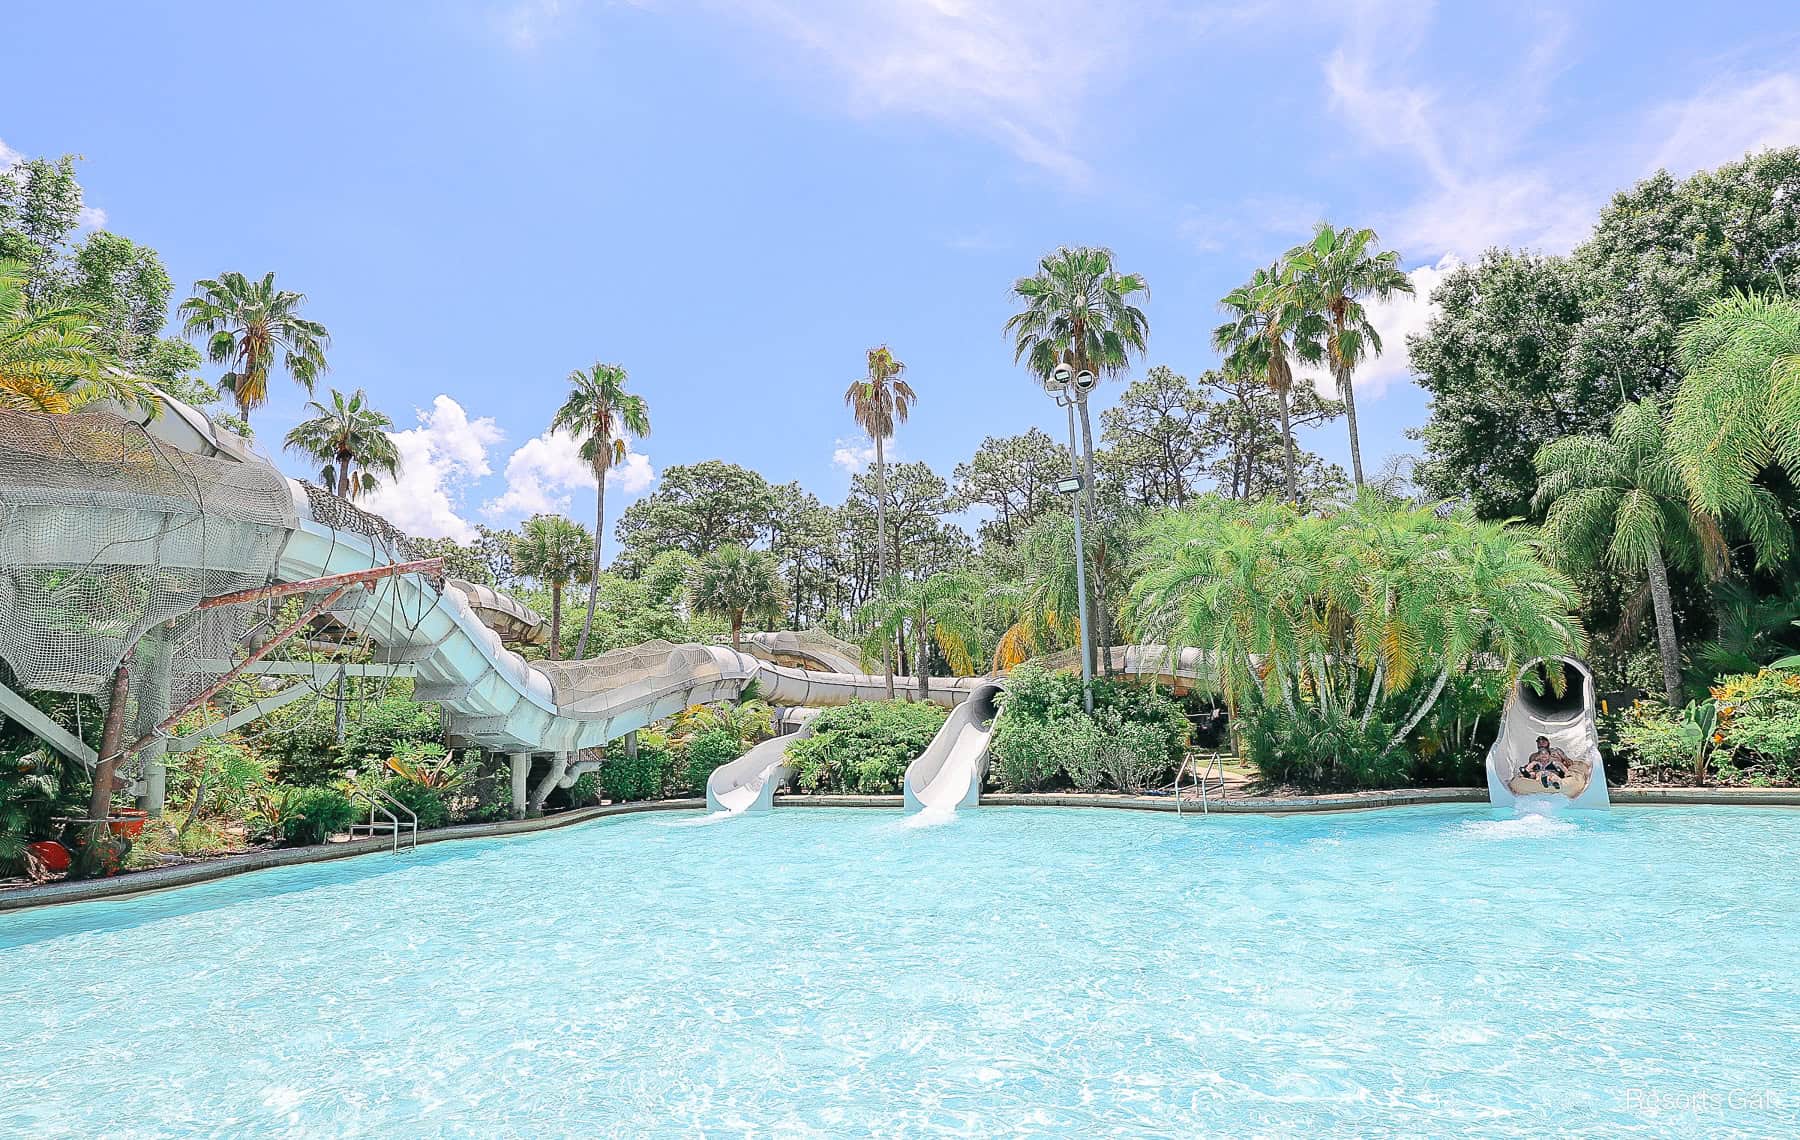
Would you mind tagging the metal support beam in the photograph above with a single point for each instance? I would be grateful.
(45, 729)
(256, 711)
(521, 768)
(318, 670)
(329, 581)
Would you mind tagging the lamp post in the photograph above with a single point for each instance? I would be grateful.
(1067, 387)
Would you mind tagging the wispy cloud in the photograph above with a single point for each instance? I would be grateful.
(853, 455)
(1016, 71)
(542, 474)
(9, 157)
(1728, 120)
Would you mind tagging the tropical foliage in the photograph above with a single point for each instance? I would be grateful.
(350, 440)
(734, 583)
(552, 550)
(251, 327)
(599, 413)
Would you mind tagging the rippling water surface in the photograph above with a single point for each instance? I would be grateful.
(1426, 971)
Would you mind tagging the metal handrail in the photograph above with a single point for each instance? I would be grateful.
(393, 821)
(1214, 771)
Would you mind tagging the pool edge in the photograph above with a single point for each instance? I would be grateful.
(147, 882)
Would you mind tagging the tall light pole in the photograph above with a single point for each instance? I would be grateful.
(1068, 387)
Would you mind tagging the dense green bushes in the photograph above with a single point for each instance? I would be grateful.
(1746, 732)
(704, 753)
(1044, 739)
(863, 747)
(627, 779)
(313, 815)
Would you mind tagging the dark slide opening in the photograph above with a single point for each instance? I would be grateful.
(1540, 697)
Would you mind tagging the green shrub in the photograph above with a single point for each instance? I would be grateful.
(1044, 738)
(426, 803)
(1759, 724)
(389, 726)
(863, 747)
(313, 815)
(1322, 752)
(627, 780)
(705, 752)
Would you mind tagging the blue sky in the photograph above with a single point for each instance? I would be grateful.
(735, 199)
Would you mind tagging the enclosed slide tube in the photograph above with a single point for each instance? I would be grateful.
(1548, 752)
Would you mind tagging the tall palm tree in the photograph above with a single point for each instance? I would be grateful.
(1270, 326)
(1336, 273)
(247, 325)
(1618, 499)
(599, 412)
(879, 400)
(943, 608)
(350, 438)
(1738, 408)
(732, 581)
(50, 359)
(1078, 309)
(552, 550)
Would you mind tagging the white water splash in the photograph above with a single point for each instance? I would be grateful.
(1538, 817)
(929, 817)
(703, 821)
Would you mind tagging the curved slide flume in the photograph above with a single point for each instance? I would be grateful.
(948, 774)
(749, 783)
(1547, 754)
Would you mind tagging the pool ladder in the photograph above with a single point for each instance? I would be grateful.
(381, 804)
(1211, 781)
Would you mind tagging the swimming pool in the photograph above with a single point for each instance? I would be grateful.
(1425, 970)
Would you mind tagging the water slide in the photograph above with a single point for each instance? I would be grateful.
(1567, 769)
(948, 774)
(749, 783)
(152, 517)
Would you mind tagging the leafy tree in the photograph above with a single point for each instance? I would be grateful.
(1015, 478)
(803, 535)
(1334, 274)
(40, 206)
(599, 413)
(50, 357)
(1079, 309)
(460, 561)
(552, 550)
(1242, 413)
(733, 581)
(1270, 327)
(941, 609)
(1526, 348)
(247, 324)
(350, 438)
(1159, 438)
(1738, 410)
(880, 400)
(1336, 623)
(696, 507)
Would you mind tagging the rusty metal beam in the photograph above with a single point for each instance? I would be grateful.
(237, 670)
(329, 581)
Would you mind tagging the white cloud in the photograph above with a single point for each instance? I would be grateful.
(1395, 319)
(92, 218)
(526, 23)
(438, 459)
(853, 455)
(9, 157)
(542, 474)
(1016, 71)
(1724, 122)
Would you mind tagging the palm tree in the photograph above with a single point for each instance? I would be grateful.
(598, 413)
(1620, 500)
(1336, 272)
(552, 550)
(943, 608)
(50, 359)
(1738, 408)
(1270, 326)
(1078, 310)
(247, 325)
(732, 581)
(880, 400)
(351, 440)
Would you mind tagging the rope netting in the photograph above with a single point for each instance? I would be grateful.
(107, 533)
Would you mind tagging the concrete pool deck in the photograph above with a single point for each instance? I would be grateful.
(207, 870)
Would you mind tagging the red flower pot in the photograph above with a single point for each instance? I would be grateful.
(129, 822)
(53, 855)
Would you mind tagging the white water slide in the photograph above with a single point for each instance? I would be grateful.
(1548, 752)
(115, 531)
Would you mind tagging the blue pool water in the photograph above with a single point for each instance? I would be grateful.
(1425, 971)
